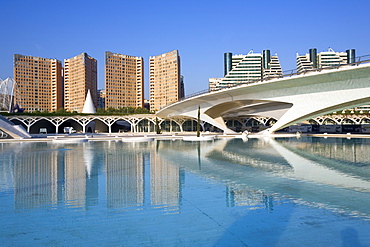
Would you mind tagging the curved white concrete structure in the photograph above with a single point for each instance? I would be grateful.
(289, 100)
(9, 128)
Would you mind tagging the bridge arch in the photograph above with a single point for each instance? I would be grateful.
(314, 121)
(365, 120)
(146, 125)
(348, 121)
(234, 124)
(329, 121)
(290, 100)
(270, 122)
(251, 122)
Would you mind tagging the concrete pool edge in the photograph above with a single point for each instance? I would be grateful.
(171, 136)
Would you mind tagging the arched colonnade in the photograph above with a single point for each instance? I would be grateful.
(105, 124)
(340, 119)
(146, 123)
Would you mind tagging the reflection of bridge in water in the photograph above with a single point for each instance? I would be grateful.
(284, 166)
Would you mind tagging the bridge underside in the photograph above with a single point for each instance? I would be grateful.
(288, 100)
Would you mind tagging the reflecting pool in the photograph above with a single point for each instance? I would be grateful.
(227, 192)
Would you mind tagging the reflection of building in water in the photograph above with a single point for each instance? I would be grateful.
(135, 176)
(91, 177)
(243, 197)
(125, 178)
(354, 151)
(164, 182)
(129, 182)
(75, 179)
(46, 177)
(35, 179)
(6, 167)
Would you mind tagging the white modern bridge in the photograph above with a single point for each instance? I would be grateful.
(288, 99)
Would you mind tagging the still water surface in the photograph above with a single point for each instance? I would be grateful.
(227, 192)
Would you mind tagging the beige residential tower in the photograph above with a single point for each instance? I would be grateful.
(166, 84)
(40, 83)
(80, 75)
(124, 81)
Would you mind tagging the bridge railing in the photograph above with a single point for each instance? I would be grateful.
(287, 73)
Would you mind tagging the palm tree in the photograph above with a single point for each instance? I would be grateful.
(157, 127)
(198, 123)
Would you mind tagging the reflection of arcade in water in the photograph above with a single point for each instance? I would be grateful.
(44, 175)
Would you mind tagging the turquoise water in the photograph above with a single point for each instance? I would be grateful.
(227, 192)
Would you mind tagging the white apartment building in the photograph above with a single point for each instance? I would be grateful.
(214, 83)
(253, 67)
(325, 59)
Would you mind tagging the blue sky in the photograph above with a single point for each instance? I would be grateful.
(202, 31)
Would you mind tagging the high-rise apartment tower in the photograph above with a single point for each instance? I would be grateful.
(80, 75)
(166, 84)
(101, 98)
(124, 81)
(40, 83)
